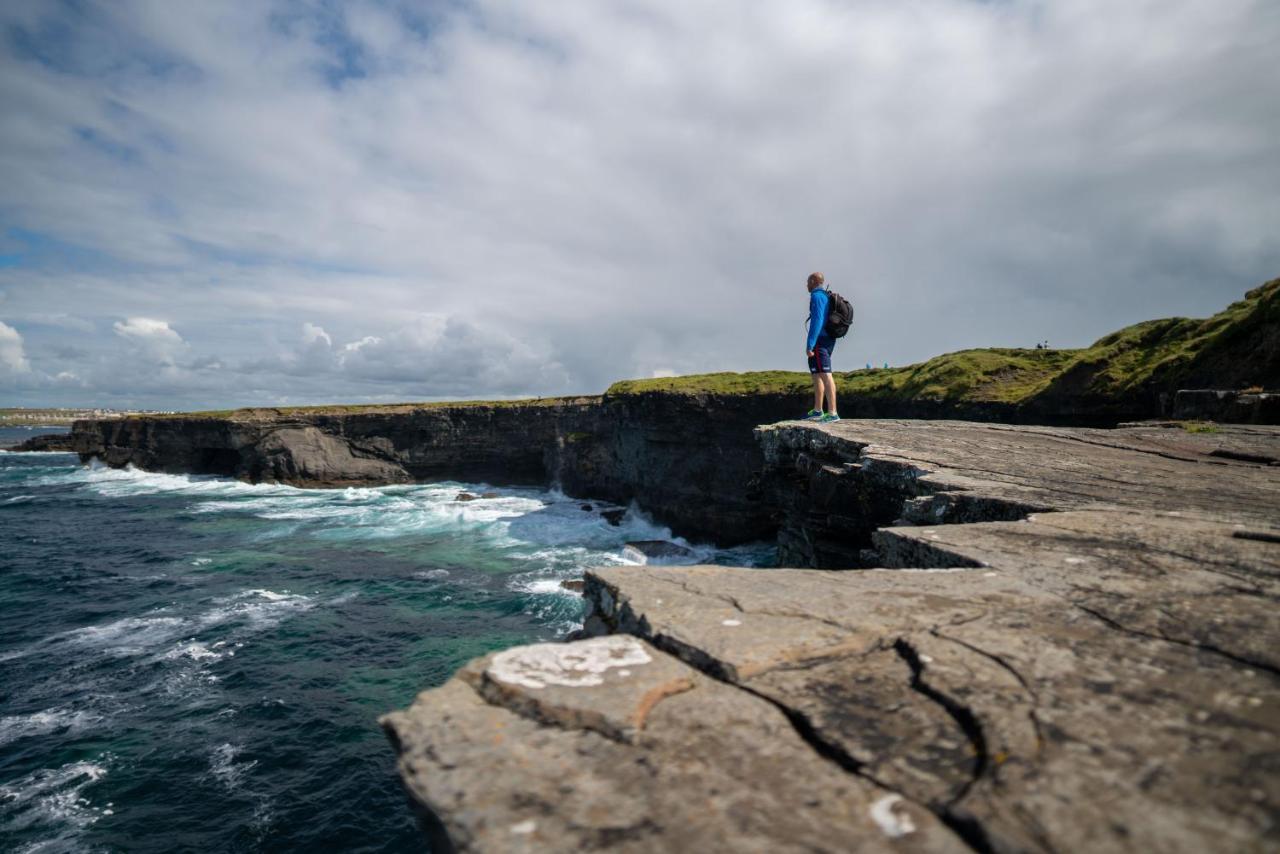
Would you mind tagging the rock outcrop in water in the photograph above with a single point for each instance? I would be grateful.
(48, 442)
(1067, 641)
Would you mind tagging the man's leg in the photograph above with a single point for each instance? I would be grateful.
(829, 385)
(819, 389)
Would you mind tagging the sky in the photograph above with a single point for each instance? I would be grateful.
(224, 203)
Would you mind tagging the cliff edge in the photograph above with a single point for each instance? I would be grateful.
(1064, 640)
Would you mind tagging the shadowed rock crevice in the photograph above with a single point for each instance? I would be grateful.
(963, 716)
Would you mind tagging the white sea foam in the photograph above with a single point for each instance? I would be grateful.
(254, 609)
(249, 611)
(68, 721)
(52, 799)
(128, 636)
(129, 481)
(542, 586)
(193, 650)
(223, 765)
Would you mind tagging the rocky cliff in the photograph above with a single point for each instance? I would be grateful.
(687, 460)
(1065, 640)
(682, 447)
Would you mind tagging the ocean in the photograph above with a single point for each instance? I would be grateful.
(197, 664)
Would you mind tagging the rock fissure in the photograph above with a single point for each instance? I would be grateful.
(1013, 671)
(1244, 660)
(966, 827)
(963, 715)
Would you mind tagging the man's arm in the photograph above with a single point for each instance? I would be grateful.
(815, 321)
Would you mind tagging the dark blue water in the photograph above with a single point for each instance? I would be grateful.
(198, 664)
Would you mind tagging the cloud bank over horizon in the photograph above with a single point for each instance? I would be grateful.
(220, 204)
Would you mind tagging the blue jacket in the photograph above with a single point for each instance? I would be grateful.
(819, 304)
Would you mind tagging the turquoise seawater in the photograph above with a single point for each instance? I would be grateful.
(197, 664)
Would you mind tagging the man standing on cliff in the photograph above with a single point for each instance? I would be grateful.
(818, 346)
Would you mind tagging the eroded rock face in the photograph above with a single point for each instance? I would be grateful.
(1074, 650)
(834, 487)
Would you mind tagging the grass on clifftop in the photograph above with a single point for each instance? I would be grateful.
(1154, 351)
(994, 374)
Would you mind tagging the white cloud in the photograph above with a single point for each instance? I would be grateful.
(13, 357)
(152, 337)
(312, 334)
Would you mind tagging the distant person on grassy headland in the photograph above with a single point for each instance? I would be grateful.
(818, 346)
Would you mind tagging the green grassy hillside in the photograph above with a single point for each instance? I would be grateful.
(1238, 347)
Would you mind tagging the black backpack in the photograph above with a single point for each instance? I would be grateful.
(839, 315)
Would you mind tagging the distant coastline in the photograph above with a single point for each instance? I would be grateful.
(62, 417)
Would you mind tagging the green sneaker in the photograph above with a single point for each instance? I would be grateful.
(828, 418)
(812, 415)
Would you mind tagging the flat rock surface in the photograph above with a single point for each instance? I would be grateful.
(1097, 671)
(1143, 467)
(610, 744)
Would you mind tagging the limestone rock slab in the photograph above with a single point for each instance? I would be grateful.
(703, 768)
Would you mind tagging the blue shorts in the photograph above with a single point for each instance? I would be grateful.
(820, 361)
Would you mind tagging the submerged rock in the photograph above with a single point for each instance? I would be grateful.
(466, 496)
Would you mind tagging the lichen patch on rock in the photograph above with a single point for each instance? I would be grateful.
(577, 665)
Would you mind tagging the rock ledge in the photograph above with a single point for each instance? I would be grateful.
(1063, 640)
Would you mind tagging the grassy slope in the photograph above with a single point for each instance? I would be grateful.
(1239, 346)
(1153, 353)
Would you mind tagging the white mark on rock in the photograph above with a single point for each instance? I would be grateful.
(930, 532)
(894, 823)
(1073, 560)
(524, 828)
(574, 665)
(731, 622)
(926, 658)
(624, 672)
(990, 574)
